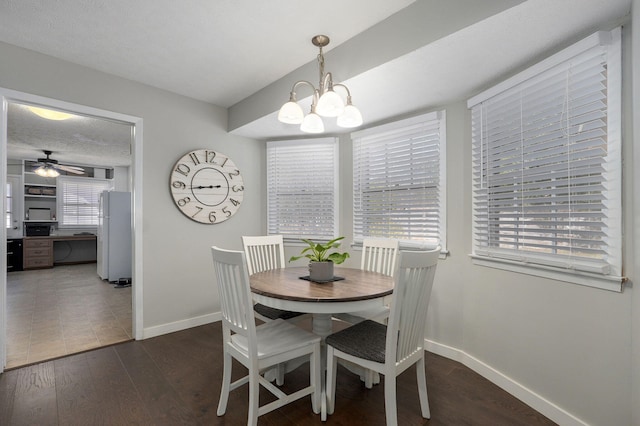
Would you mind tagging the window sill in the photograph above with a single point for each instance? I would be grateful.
(603, 282)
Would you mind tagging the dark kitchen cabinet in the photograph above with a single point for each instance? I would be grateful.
(14, 254)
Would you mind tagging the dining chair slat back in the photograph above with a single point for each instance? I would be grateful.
(379, 255)
(391, 349)
(258, 348)
(409, 303)
(235, 293)
(264, 252)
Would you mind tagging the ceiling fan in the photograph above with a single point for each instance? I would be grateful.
(49, 167)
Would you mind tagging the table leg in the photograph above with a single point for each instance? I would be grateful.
(322, 326)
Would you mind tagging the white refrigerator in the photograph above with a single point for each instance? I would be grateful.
(114, 236)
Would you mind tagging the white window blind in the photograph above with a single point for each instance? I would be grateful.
(79, 203)
(399, 181)
(547, 164)
(302, 188)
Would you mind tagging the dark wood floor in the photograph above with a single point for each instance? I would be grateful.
(175, 380)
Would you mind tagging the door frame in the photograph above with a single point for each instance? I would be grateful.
(10, 96)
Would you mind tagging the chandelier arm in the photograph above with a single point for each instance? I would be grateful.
(344, 87)
(295, 86)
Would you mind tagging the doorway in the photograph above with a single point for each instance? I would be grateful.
(135, 150)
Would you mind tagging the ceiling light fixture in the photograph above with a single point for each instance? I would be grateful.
(326, 102)
(50, 114)
(47, 171)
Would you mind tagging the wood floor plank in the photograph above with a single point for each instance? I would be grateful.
(162, 401)
(121, 399)
(8, 381)
(78, 401)
(35, 396)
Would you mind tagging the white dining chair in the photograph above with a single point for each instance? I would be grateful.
(261, 347)
(391, 349)
(378, 255)
(266, 252)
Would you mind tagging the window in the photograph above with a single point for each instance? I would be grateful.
(302, 188)
(547, 167)
(399, 182)
(78, 200)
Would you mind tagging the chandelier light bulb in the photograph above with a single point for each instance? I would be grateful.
(312, 123)
(291, 113)
(330, 104)
(351, 117)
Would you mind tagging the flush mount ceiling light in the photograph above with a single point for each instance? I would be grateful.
(50, 114)
(326, 102)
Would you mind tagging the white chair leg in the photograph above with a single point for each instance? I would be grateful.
(422, 389)
(316, 380)
(391, 409)
(254, 396)
(280, 374)
(226, 384)
(332, 367)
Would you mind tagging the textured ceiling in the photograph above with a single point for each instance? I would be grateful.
(218, 51)
(79, 140)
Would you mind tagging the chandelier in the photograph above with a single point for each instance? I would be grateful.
(326, 102)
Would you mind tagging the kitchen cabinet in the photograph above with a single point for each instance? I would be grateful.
(37, 253)
(14, 254)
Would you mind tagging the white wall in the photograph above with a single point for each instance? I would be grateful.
(178, 289)
(564, 348)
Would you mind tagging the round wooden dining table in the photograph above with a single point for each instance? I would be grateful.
(356, 290)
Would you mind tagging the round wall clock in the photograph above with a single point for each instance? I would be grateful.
(206, 186)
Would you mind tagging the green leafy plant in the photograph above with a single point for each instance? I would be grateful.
(322, 252)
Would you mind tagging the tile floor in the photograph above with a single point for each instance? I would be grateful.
(63, 310)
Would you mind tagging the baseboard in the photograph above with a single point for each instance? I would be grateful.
(537, 402)
(180, 325)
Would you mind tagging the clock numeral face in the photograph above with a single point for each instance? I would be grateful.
(194, 158)
(209, 156)
(183, 169)
(206, 186)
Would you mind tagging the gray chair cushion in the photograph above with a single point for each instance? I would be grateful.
(365, 340)
(273, 313)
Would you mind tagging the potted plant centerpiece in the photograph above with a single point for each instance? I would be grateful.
(322, 257)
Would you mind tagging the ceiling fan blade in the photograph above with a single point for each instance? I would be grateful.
(70, 169)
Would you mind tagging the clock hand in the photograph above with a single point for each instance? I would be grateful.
(203, 187)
